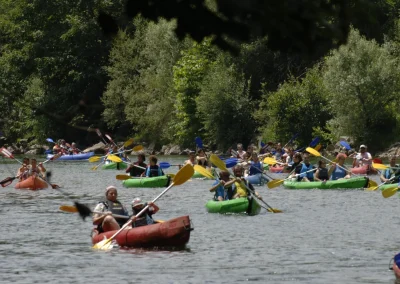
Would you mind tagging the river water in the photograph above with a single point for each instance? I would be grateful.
(322, 236)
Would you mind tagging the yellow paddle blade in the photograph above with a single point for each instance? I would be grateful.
(275, 183)
(203, 171)
(372, 188)
(183, 174)
(114, 158)
(129, 142)
(122, 177)
(371, 183)
(270, 161)
(379, 166)
(218, 162)
(95, 159)
(69, 208)
(105, 244)
(274, 210)
(318, 147)
(137, 148)
(388, 192)
(313, 151)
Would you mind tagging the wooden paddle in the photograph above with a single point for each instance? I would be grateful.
(221, 165)
(181, 177)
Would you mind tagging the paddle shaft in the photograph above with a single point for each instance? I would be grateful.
(291, 140)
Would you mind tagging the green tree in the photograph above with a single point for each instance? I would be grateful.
(364, 79)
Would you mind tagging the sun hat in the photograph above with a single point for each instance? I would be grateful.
(137, 201)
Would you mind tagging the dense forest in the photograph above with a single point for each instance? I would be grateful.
(227, 71)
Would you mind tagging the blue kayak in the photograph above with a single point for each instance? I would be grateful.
(257, 179)
(77, 157)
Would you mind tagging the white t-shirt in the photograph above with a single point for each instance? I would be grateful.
(365, 155)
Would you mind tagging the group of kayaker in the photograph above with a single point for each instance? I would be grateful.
(65, 148)
(111, 214)
(29, 168)
(141, 169)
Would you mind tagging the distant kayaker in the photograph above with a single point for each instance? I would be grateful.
(321, 173)
(242, 186)
(153, 170)
(279, 152)
(306, 173)
(37, 169)
(362, 158)
(56, 148)
(296, 166)
(338, 170)
(23, 171)
(192, 159)
(111, 205)
(240, 152)
(223, 188)
(392, 174)
(201, 158)
(74, 150)
(137, 168)
(146, 217)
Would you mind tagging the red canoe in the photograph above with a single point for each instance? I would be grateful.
(363, 170)
(33, 183)
(171, 233)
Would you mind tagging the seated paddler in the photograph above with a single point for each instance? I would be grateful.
(137, 168)
(241, 186)
(391, 174)
(146, 217)
(153, 170)
(223, 188)
(306, 171)
(110, 205)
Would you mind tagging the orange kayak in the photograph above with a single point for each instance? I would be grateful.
(32, 183)
(364, 170)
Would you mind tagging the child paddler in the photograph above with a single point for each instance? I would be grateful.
(153, 170)
(223, 187)
(391, 175)
(111, 205)
(241, 185)
(146, 217)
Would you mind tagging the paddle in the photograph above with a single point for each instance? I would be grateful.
(221, 165)
(100, 135)
(125, 177)
(271, 161)
(379, 166)
(110, 139)
(73, 209)
(50, 140)
(203, 171)
(277, 182)
(388, 192)
(110, 157)
(9, 155)
(344, 144)
(199, 143)
(166, 165)
(291, 140)
(98, 158)
(181, 177)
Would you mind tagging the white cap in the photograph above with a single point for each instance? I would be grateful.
(137, 201)
(110, 187)
(363, 146)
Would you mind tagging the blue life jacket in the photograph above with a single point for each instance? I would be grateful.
(255, 168)
(154, 171)
(225, 193)
(338, 173)
(304, 169)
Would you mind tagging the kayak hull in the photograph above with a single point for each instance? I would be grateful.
(277, 169)
(363, 170)
(238, 205)
(77, 157)
(171, 233)
(114, 166)
(257, 179)
(147, 182)
(32, 183)
(352, 183)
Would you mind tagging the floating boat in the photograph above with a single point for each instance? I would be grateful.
(76, 157)
(257, 179)
(161, 181)
(363, 170)
(276, 169)
(238, 205)
(171, 233)
(352, 183)
(114, 166)
(32, 183)
(388, 185)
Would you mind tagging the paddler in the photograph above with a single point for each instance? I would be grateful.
(321, 174)
(240, 152)
(391, 173)
(74, 150)
(23, 171)
(306, 173)
(111, 205)
(201, 158)
(37, 169)
(240, 184)
(146, 217)
(223, 188)
(135, 169)
(192, 159)
(338, 170)
(364, 158)
(153, 170)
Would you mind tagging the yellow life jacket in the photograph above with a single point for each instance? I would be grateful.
(241, 189)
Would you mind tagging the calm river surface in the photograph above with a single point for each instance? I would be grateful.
(322, 236)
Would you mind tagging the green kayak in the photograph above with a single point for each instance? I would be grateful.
(352, 183)
(238, 205)
(114, 166)
(385, 186)
(161, 181)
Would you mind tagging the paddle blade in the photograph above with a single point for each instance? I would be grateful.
(270, 161)
(388, 192)
(105, 244)
(183, 175)
(379, 166)
(230, 163)
(69, 209)
(108, 137)
(218, 162)
(203, 171)
(371, 183)
(344, 144)
(372, 188)
(83, 210)
(129, 142)
(313, 151)
(137, 148)
(314, 142)
(164, 165)
(318, 147)
(7, 181)
(275, 183)
(94, 159)
(49, 140)
(122, 177)
(114, 158)
(274, 210)
(6, 153)
(199, 142)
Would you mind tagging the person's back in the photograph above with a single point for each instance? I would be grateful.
(153, 170)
